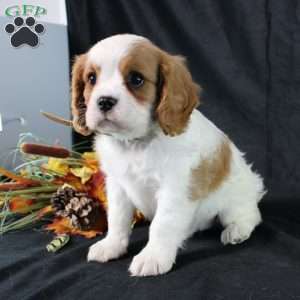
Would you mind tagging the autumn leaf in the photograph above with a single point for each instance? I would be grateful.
(18, 178)
(96, 188)
(90, 160)
(72, 180)
(63, 225)
(19, 204)
(42, 212)
(57, 165)
(84, 173)
(89, 156)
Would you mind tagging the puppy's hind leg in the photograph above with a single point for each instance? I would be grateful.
(239, 222)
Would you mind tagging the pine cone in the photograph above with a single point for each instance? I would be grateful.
(82, 211)
(61, 198)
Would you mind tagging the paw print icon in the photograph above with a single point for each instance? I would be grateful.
(24, 31)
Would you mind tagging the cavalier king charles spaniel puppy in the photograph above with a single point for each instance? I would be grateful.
(159, 153)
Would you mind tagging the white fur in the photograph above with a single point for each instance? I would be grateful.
(128, 119)
(152, 172)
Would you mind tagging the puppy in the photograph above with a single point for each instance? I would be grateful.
(160, 155)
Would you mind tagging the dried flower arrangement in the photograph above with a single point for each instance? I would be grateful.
(63, 188)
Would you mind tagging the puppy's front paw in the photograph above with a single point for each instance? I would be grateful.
(235, 234)
(150, 262)
(106, 250)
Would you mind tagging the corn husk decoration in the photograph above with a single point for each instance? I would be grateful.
(25, 195)
(58, 242)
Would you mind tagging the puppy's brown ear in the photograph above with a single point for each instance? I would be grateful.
(179, 95)
(78, 103)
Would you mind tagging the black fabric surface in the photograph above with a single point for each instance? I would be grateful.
(246, 56)
(265, 267)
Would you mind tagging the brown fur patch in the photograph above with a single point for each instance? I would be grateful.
(88, 88)
(211, 172)
(179, 95)
(143, 58)
(81, 91)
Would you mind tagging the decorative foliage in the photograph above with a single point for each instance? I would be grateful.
(65, 190)
(62, 188)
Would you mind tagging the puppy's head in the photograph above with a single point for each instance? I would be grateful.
(125, 84)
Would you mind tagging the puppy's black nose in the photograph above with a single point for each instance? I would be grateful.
(106, 103)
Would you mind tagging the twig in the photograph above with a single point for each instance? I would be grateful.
(57, 119)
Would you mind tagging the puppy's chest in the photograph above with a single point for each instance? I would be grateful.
(137, 165)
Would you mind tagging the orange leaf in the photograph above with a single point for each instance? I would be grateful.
(96, 188)
(18, 204)
(44, 211)
(90, 159)
(62, 225)
(92, 163)
(18, 178)
(72, 180)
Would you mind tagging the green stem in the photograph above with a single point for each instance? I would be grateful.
(28, 220)
(7, 213)
(36, 196)
(29, 208)
(40, 189)
(21, 223)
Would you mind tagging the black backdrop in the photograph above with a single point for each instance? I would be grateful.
(246, 56)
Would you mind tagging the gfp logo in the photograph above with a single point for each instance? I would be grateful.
(24, 30)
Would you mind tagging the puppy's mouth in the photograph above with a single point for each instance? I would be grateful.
(108, 125)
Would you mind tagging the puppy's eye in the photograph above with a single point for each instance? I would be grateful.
(92, 78)
(135, 79)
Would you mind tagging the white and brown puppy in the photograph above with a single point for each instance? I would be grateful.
(160, 155)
